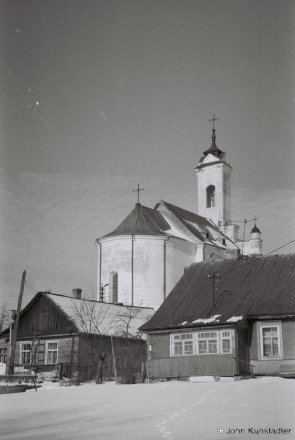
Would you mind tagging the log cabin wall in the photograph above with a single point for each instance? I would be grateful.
(67, 351)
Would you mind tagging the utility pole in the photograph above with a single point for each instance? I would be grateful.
(10, 365)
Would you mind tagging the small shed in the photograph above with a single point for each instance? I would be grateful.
(230, 318)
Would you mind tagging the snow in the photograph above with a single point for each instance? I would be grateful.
(175, 232)
(206, 320)
(235, 319)
(100, 317)
(167, 410)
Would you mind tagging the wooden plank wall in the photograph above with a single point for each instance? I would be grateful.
(288, 330)
(44, 315)
(221, 365)
(162, 365)
(272, 366)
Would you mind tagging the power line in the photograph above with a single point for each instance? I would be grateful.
(257, 258)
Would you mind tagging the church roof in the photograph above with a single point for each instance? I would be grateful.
(170, 220)
(195, 223)
(256, 287)
(141, 221)
(213, 149)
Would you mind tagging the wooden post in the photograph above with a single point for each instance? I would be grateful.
(148, 357)
(99, 368)
(114, 360)
(10, 365)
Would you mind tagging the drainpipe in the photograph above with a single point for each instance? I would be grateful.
(166, 239)
(100, 265)
(164, 287)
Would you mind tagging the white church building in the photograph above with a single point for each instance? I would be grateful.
(143, 258)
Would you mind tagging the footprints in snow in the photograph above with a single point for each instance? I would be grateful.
(98, 411)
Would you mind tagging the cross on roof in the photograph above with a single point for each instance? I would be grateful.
(214, 119)
(137, 190)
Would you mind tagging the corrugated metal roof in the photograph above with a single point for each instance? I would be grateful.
(255, 286)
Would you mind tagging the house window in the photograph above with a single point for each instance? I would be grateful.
(207, 343)
(210, 191)
(51, 353)
(202, 343)
(3, 354)
(225, 342)
(270, 341)
(113, 287)
(183, 344)
(25, 350)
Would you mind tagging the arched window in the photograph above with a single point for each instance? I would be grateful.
(210, 196)
(113, 287)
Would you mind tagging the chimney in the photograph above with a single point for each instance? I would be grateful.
(77, 293)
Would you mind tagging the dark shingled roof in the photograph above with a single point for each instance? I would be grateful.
(213, 149)
(141, 220)
(147, 221)
(258, 286)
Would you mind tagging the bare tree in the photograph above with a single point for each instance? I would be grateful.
(97, 322)
(5, 319)
(93, 321)
(133, 353)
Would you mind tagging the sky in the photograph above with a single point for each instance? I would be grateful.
(99, 96)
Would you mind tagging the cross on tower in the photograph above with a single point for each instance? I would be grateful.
(214, 119)
(137, 190)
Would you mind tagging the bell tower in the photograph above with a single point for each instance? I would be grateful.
(213, 174)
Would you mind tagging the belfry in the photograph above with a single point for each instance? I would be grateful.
(141, 261)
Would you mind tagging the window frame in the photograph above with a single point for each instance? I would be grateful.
(264, 325)
(216, 335)
(210, 196)
(21, 351)
(211, 338)
(3, 355)
(183, 342)
(47, 350)
(113, 287)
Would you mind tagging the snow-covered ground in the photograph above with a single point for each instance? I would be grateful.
(168, 410)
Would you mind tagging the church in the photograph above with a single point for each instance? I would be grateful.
(140, 262)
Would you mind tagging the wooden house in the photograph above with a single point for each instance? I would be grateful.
(69, 334)
(226, 319)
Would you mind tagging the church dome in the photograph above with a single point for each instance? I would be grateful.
(214, 150)
(255, 230)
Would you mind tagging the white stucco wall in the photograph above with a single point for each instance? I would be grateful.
(219, 176)
(148, 268)
(180, 254)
